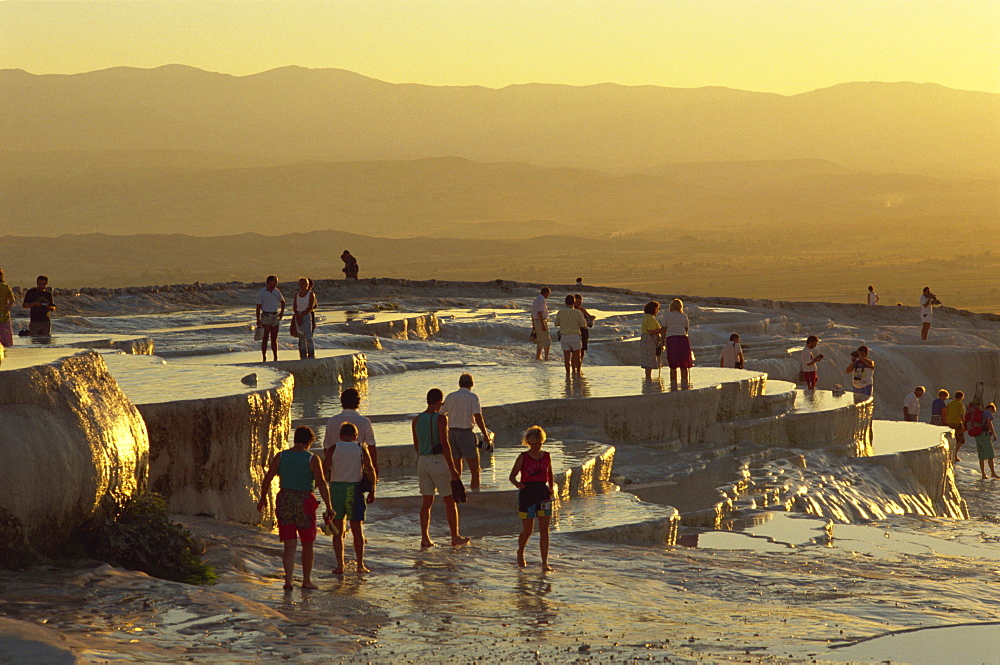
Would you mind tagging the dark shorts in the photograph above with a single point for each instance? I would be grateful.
(347, 501)
(584, 336)
(864, 390)
(463, 443)
(40, 328)
(534, 500)
(679, 351)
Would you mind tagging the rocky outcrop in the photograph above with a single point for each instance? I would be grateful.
(71, 446)
(330, 368)
(208, 456)
(405, 326)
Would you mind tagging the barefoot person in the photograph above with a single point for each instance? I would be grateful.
(303, 306)
(678, 344)
(6, 302)
(649, 341)
(979, 423)
(270, 309)
(571, 321)
(585, 331)
(435, 467)
(535, 493)
(347, 463)
(299, 471)
(463, 410)
(540, 324)
(38, 301)
(954, 417)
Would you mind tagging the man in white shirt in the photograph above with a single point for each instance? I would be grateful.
(570, 320)
(270, 309)
(911, 404)
(872, 296)
(540, 324)
(732, 353)
(463, 410)
(927, 302)
(350, 400)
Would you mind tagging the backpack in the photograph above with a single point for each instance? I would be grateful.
(974, 420)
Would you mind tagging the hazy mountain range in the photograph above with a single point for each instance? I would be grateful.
(336, 115)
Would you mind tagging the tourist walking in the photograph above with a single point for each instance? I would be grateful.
(862, 371)
(535, 492)
(584, 331)
(270, 309)
(350, 268)
(678, 344)
(927, 302)
(732, 353)
(979, 424)
(571, 321)
(299, 472)
(911, 404)
(540, 324)
(464, 411)
(954, 417)
(938, 407)
(6, 302)
(435, 467)
(650, 339)
(350, 400)
(348, 464)
(38, 300)
(872, 296)
(809, 362)
(303, 306)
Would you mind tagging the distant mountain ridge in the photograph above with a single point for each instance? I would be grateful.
(337, 115)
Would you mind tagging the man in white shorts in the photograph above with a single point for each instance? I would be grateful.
(270, 309)
(435, 467)
(927, 302)
(463, 410)
(570, 320)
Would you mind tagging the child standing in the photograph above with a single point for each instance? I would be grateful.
(535, 496)
(346, 463)
(299, 471)
(810, 375)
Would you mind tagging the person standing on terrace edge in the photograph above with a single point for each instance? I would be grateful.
(678, 344)
(986, 436)
(300, 471)
(39, 301)
(463, 410)
(270, 309)
(350, 400)
(435, 467)
(649, 341)
(863, 370)
(534, 498)
(6, 302)
(350, 268)
(872, 296)
(809, 362)
(927, 302)
(571, 321)
(303, 306)
(540, 324)
(911, 405)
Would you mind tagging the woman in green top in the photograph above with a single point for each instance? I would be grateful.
(652, 334)
(300, 472)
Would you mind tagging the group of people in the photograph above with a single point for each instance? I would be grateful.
(271, 309)
(347, 476)
(928, 301)
(574, 323)
(671, 337)
(976, 420)
(39, 303)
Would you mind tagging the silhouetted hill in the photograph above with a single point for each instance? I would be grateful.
(335, 115)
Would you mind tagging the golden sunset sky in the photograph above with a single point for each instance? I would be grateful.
(784, 46)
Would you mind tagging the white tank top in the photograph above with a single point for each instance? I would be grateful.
(346, 462)
(302, 305)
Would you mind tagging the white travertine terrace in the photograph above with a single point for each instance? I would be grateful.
(329, 367)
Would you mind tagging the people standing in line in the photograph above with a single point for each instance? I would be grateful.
(954, 417)
(584, 331)
(350, 268)
(650, 339)
(872, 296)
(346, 463)
(809, 361)
(571, 321)
(927, 302)
(911, 404)
(435, 468)
(938, 407)
(535, 491)
(350, 400)
(463, 411)
(732, 353)
(986, 436)
(6, 302)
(299, 472)
(678, 344)
(270, 309)
(862, 371)
(39, 301)
(303, 306)
(540, 324)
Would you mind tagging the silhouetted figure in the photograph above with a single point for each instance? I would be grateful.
(350, 265)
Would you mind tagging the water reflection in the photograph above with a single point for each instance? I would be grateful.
(531, 597)
(653, 386)
(577, 385)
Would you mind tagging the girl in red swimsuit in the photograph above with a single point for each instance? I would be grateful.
(535, 497)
